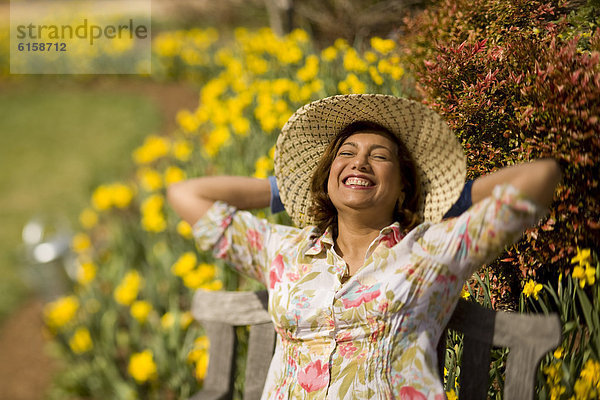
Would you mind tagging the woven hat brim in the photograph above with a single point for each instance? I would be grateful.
(439, 158)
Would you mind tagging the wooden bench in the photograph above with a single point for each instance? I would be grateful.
(528, 337)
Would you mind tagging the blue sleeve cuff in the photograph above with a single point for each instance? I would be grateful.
(463, 203)
(275, 203)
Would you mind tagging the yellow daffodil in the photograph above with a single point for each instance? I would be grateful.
(86, 272)
(215, 140)
(153, 219)
(185, 320)
(370, 57)
(154, 222)
(213, 285)
(377, 79)
(174, 174)
(532, 288)
(199, 356)
(196, 278)
(465, 293)
(182, 150)
(81, 242)
(583, 257)
(126, 292)
(584, 271)
(353, 62)
(184, 264)
(60, 312)
(558, 353)
(167, 320)
(102, 198)
(340, 44)
(310, 69)
(140, 310)
(153, 148)
(329, 54)
(587, 385)
(150, 179)
(241, 126)
(184, 229)
(121, 195)
(88, 218)
(351, 85)
(142, 366)
(383, 46)
(263, 166)
(81, 341)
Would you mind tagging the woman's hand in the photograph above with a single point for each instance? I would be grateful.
(192, 198)
(537, 181)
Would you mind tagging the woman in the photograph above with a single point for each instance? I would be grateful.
(360, 291)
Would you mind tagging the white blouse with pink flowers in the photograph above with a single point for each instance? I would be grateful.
(375, 335)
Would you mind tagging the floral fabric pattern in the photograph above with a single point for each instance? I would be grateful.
(375, 335)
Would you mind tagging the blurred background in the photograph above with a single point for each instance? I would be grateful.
(97, 273)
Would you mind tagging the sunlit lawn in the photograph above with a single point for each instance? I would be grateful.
(57, 141)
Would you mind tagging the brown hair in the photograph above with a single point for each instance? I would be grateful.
(323, 210)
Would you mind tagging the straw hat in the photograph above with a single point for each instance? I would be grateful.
(439, 158)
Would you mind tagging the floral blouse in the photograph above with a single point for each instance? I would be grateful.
(373, 336)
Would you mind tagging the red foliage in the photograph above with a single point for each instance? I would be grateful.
(513, 90)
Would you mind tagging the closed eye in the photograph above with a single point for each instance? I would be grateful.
(379, 157)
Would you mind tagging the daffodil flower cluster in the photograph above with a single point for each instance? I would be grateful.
(584, 271)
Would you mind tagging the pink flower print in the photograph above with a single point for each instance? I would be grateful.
(276, 271)
(305, 268)
(293, 276)
(347, 349)
(225, 223)
(314, 377)
(221, 249)
(359, 294)
(343, 336)
(391, 238)
(383, 307)
(254, 239)
(410, 393)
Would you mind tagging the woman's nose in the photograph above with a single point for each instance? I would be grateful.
(361, 162)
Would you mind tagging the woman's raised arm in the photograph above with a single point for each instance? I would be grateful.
(536, 180)
(192, 198)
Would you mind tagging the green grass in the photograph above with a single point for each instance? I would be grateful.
(58, 140)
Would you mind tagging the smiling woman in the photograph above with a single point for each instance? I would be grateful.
(360, 300)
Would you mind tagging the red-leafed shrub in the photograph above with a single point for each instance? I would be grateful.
(517, 81)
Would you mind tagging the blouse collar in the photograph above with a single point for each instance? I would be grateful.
(389, 236)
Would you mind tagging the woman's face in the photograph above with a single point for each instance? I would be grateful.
(365, 175)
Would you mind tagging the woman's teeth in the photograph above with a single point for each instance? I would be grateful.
(357, 182)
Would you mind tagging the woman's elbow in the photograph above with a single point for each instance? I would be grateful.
(185, 202)
(547, 177)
